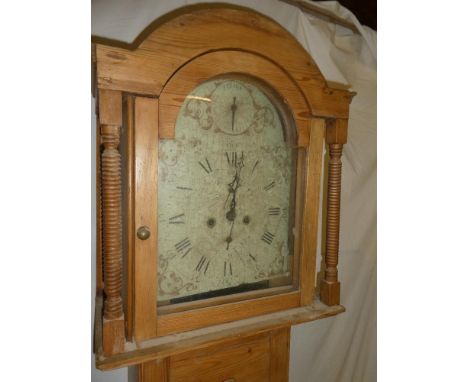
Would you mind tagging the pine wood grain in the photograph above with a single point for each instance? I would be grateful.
(129, 314)
(329, 285)
(154, 371)
(337, 131)
(113, 335)
(146, 191)
(147, 68)
(99, 251)
(311, 207)
(219, 63)
(219, 300)
(169, 345)
(245, 361)
(279, 355)
(110, 107)
(193, 45)
(296, 215)
(198, 318)
(110, 118)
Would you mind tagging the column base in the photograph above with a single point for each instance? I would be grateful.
(330, 292)
(113, 336)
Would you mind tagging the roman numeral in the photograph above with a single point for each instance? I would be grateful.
(207, 168)
(178, 219)
(252, 257)
(202, 265)
(184, 188)
(273, 211)
(227, 268)
(268, 237)
(184, 246)
(269, 186)
(233, 159)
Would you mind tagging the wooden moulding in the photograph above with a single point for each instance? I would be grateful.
(146, 191)
(130, 216)
(214, 64)
(145, 66)
(198, 318)
(311, 207)
(110, 118)
(337, 131)
(330, 286)
(170, 345)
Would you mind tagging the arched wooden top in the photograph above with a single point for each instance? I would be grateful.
(145, 66)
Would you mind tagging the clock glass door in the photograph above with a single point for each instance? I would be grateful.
(227, 194)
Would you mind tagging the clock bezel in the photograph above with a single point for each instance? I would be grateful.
(288, 283)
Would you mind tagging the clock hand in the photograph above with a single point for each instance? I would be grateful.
(233, 111)
(229, 238)
(231, 216)
(233, 186)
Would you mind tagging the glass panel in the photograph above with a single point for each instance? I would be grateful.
(226, 194)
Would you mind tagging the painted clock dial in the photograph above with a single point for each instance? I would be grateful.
(225, 195)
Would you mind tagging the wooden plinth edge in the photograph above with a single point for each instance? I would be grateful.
(165, 346)
(330, 292)
(113, 336)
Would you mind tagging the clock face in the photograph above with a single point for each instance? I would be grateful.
(225, 195)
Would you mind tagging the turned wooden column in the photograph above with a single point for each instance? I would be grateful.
(110, 118)
(336, 136)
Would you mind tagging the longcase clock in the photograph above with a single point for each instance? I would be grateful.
(212, 128)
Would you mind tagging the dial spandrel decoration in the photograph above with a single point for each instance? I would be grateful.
(224, 195)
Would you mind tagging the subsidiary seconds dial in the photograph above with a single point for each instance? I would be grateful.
(233, 107)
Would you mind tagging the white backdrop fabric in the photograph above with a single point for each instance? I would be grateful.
(341, 348)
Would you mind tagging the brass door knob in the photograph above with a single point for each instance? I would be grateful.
(143, 233)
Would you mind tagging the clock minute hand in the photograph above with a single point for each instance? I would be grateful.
(233, 186)
(231, 214)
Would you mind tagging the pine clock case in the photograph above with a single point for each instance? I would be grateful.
(140, 88)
